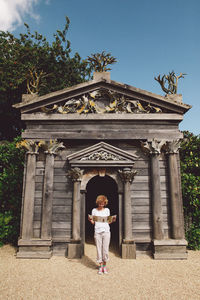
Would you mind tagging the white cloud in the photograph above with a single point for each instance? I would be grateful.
(12, 13)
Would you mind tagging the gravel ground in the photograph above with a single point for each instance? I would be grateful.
(60, 278)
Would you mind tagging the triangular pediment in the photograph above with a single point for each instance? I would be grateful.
(101, 155)
(117, 97)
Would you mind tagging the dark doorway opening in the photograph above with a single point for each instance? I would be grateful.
(107, 186)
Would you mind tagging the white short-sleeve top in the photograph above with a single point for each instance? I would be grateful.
(100, 226)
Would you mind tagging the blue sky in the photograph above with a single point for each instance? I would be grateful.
(148, 38)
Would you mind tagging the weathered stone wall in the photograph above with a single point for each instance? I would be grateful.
(140, 193)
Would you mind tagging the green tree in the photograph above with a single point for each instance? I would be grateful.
(29, 58)
(190, 175)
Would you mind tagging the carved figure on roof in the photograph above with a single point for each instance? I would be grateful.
(100, 61)
(34, 81)
(171, 80)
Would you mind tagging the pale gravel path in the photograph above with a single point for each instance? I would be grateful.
(60, 278)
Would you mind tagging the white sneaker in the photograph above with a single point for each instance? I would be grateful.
(100, 271)
(105, 270)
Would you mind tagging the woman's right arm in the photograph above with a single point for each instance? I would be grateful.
(91, 221)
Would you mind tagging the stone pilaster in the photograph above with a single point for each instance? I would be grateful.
(29, 197)
(82, 232)
(24, 242)
(154, 148)
(128, 245)
(170, 248)
(75, 247)
(47, 199)
(175, 191)
(30, 247)
(50, 148)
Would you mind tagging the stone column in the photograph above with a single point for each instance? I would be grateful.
(76, 211)
(82, 226)
(29, 197)
(27, 243)
(128, 245)
(166, 248)
(30, 247)
(175, 191)
(47, 200)
(51, 149)
(154, 149)
(120, 217)
(75, 247)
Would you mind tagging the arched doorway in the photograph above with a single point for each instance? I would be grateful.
(107, 186)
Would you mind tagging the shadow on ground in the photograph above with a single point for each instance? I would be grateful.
(88, 262)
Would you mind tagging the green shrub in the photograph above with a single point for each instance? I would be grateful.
(193, 237)
(190, 177)
(11, 177)
(5, 226)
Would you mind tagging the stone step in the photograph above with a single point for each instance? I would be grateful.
(30, 254)
(172, 256)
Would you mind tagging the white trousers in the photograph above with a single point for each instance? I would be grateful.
(102, 241)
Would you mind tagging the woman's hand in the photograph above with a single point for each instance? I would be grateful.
(114, 219)
(91, 221)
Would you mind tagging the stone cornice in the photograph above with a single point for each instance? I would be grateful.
(122, 116)
(81, 89)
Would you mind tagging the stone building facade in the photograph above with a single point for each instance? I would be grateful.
(102, 137)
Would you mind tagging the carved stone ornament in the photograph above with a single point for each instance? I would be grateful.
(51, 147)
(30, 146)
(171, 80)
(103, 155)
(127, 174)
(101, 101)
(102, 172)
(75, 174)
(173, 147)
(153, 147)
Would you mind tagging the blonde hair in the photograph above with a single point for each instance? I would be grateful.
(102, 198)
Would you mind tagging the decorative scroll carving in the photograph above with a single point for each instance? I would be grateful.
(153, 147)
(75, 174)
(102, 101)
(103, 155)
(173, 146)
(51, 147)
(127, 174)
(30, 146)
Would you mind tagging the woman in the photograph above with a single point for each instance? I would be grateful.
(101, 231)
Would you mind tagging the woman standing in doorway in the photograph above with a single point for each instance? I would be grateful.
(101, 231)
